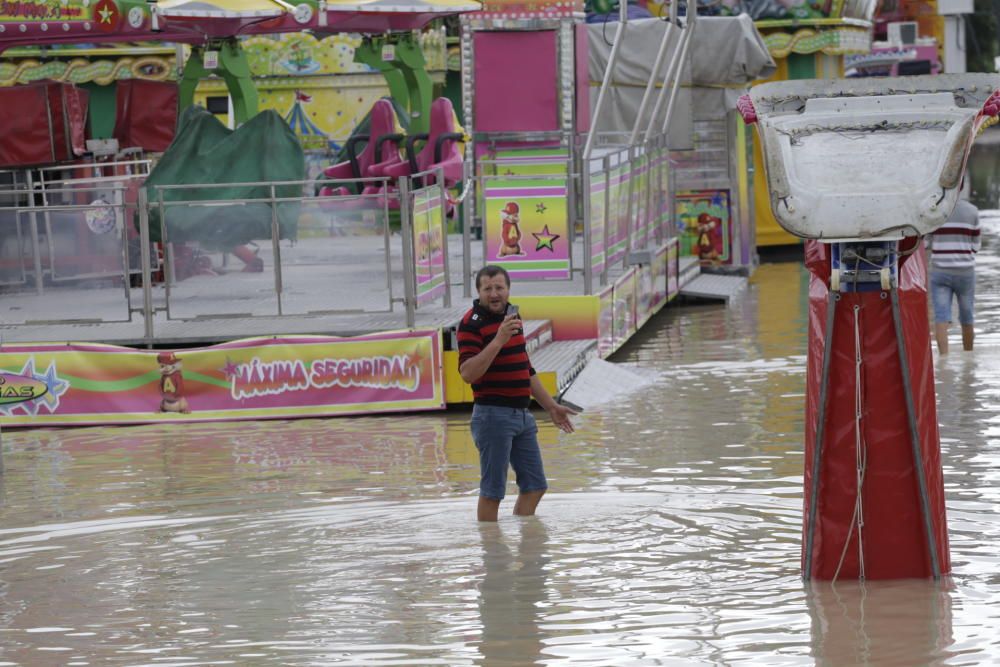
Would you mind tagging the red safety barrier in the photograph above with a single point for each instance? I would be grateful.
(893, 539)
(145, 114)
(42, 123)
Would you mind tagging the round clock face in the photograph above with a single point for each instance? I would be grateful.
(135, 17)
(303, 13)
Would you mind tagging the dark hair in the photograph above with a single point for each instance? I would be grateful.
(491, 270)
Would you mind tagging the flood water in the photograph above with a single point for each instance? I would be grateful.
(670, 536)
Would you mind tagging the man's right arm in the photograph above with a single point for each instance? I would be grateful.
(475, 367)
(469, 341)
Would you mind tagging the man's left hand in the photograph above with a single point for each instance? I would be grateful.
(560, 417)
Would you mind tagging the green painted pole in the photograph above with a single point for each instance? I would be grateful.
(370, 53)
(234, 69)
(409, 60)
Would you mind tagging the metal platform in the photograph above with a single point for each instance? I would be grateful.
(714, 287)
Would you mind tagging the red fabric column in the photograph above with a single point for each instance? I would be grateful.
(145, 114)
(893, 536)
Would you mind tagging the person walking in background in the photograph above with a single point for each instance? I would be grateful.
(493, 358)
(953, 248)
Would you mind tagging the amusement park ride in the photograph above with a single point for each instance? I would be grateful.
(213, 28)
(863, 169)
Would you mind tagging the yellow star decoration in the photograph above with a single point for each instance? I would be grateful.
(105, 15)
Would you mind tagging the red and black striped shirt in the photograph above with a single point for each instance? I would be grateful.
(508, 379)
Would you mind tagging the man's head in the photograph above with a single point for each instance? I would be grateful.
(493, 285)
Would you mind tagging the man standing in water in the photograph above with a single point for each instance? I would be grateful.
(493, 359)
(953, 272)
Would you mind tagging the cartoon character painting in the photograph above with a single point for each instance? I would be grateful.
(424, 249)
(171, 384)
(510, 244)
(709, 231)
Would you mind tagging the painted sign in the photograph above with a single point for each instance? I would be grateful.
(427, 243)
(526, 227)
(626, 292)
(28, 11)
(705, 220)
(20, 388)
(606, 322)
(641, 228)
(598, 220)
(659, 269)
(260, 378)
(521, 9)
(645, 294)
(522, 161)
(672, 268)
(617, 214)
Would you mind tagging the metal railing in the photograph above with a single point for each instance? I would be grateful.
(292, 248)
(278, 250)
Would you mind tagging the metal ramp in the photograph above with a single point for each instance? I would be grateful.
(603, 381)
(714, 287)
(566, 358)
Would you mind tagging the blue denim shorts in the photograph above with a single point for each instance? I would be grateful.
(507, 436)
(961, 285)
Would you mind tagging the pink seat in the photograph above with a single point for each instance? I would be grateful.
(381, 150)
(441, 149)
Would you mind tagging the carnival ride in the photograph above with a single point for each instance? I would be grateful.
(874, 495)
(596, 200)
(212, 29)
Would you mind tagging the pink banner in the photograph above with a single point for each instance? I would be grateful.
(294, 376)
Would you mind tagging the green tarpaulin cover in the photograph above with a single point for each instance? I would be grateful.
(204, 151)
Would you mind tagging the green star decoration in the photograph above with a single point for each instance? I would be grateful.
(545, 239)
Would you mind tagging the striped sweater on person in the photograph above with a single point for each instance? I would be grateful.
(507, 381)
(955, 243)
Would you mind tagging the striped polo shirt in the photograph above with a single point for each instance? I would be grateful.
(507, 381)
(955, 243)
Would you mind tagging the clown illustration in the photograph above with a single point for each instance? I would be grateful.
(511, 233)
(171, 384)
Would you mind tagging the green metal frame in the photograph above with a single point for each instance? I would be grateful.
(401, 61)
(398, 58)
(234, 70)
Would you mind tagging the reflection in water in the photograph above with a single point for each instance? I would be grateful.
(671, 533)
(881, 622)
(512, 592)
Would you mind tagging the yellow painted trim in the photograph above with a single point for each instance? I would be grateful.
(549, 381)
(457, 391)
(742, 185)
(824, 23)
(769, 232)
(568, 313)
(32, 52)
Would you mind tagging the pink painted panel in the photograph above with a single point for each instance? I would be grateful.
(515, 81)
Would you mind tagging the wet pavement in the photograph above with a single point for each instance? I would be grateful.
(671, 534)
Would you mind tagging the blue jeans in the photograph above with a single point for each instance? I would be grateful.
(961, 285)
(507, 436)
